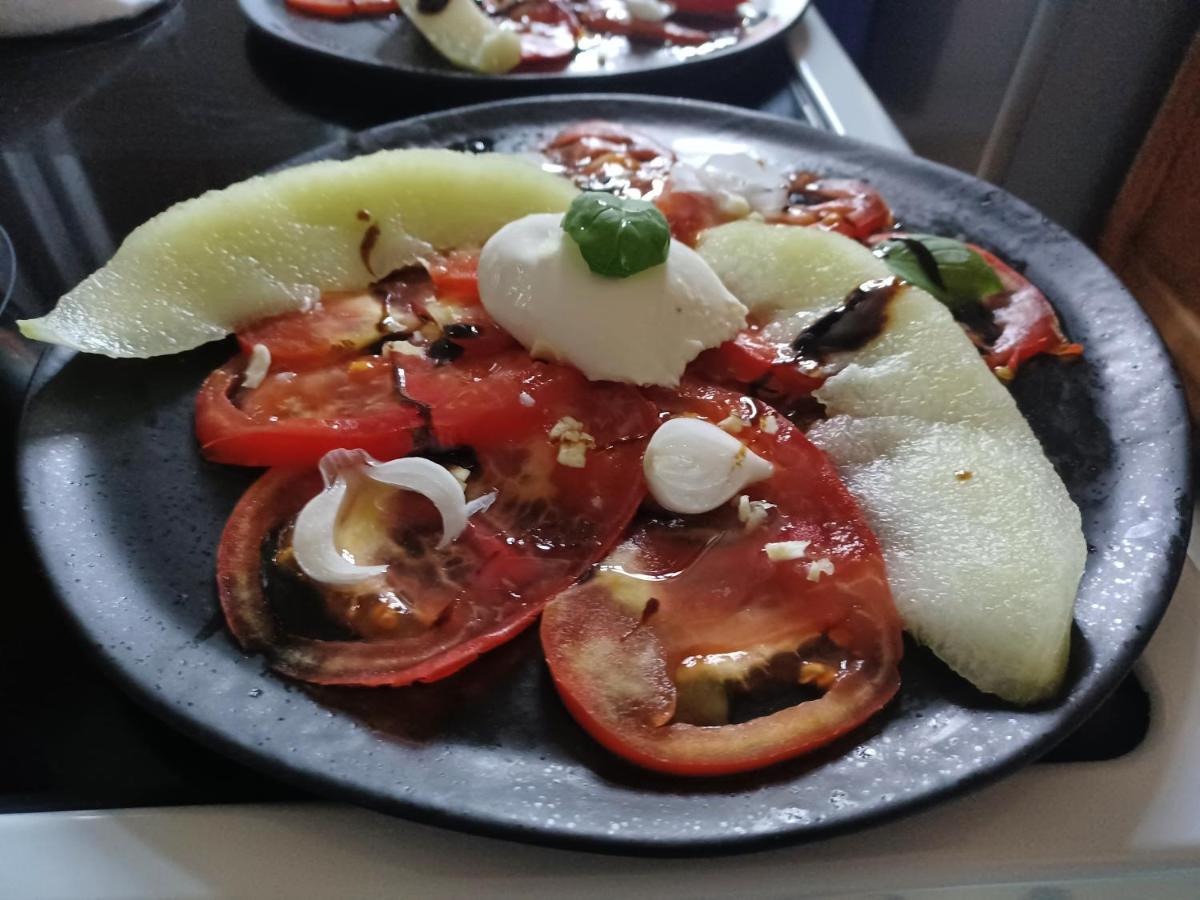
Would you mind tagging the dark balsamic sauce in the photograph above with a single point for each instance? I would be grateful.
(462, 331)
(403, 289)
(370, 237)
(860, 318)
(444, 350)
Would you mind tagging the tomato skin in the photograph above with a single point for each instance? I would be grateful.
(339, 325)
(753, 361)
(229, 435)
(716, 595)
(603, 156)
(272, 500)
(1028, 324)
(844, 205)
(455, 276)
(343, 9)
(478, 401)
(688, 213)
(599, 20)
(549, 524)
(549, 33)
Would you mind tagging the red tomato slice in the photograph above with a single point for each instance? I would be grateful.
(295, 418)
(442, 303)
(343, 9)
(1027, 322)
(606, 19)
(340, 325)
(691, 652)
(435, 610)
(849, 207)
(689, 213)
(492, 400)
(604, 156)
(549, 32)
(455, 276)
(769, 368)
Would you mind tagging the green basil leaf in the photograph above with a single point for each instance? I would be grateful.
(618, 237)
(949, 269)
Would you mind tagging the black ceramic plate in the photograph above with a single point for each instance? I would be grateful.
(126, 515)
(392, 43)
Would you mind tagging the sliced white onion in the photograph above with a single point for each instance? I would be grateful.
(426, 477)
(257, 367)
(313, 538)
(313, 541)
(692, 466)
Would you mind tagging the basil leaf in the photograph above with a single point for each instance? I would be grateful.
(618, 237)
(949, 269)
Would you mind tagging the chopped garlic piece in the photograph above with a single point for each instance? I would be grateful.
(573, 455)
(404, 348)
(732, 424)
(441, 313)
(752, 513)
(525, 398)
(574, 442)
(461, 474)
(781, 551)
(769, 424)
(257, 367)
(823, 566)
(568, 428)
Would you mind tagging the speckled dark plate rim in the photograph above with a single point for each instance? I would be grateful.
(272, 22)
(1048, 247)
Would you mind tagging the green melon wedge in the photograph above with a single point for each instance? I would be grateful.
(984, 548)
(275, 243)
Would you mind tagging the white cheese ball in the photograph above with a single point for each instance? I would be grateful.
(643, 329)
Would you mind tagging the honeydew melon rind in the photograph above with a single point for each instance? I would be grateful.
(983, 546)
(276, 242)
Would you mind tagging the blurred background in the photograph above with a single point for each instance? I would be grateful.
(1049, 98)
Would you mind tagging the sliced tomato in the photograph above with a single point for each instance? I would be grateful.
(436, 609)
(1022, 323)
(604, 18)
(339, 325)
(692, 652)
(455, 276)
(295, 418)
(343, 9)
(441, 302)
(549, 33)
(688, 213)
(492, 400)
(604, 156)
(769, 368)
(849, 207)
(1027, 322)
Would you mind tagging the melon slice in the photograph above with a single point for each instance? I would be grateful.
(276, 242)
(983, 546)
(467, 36)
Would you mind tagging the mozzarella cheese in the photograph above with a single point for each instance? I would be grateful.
(643, 329)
